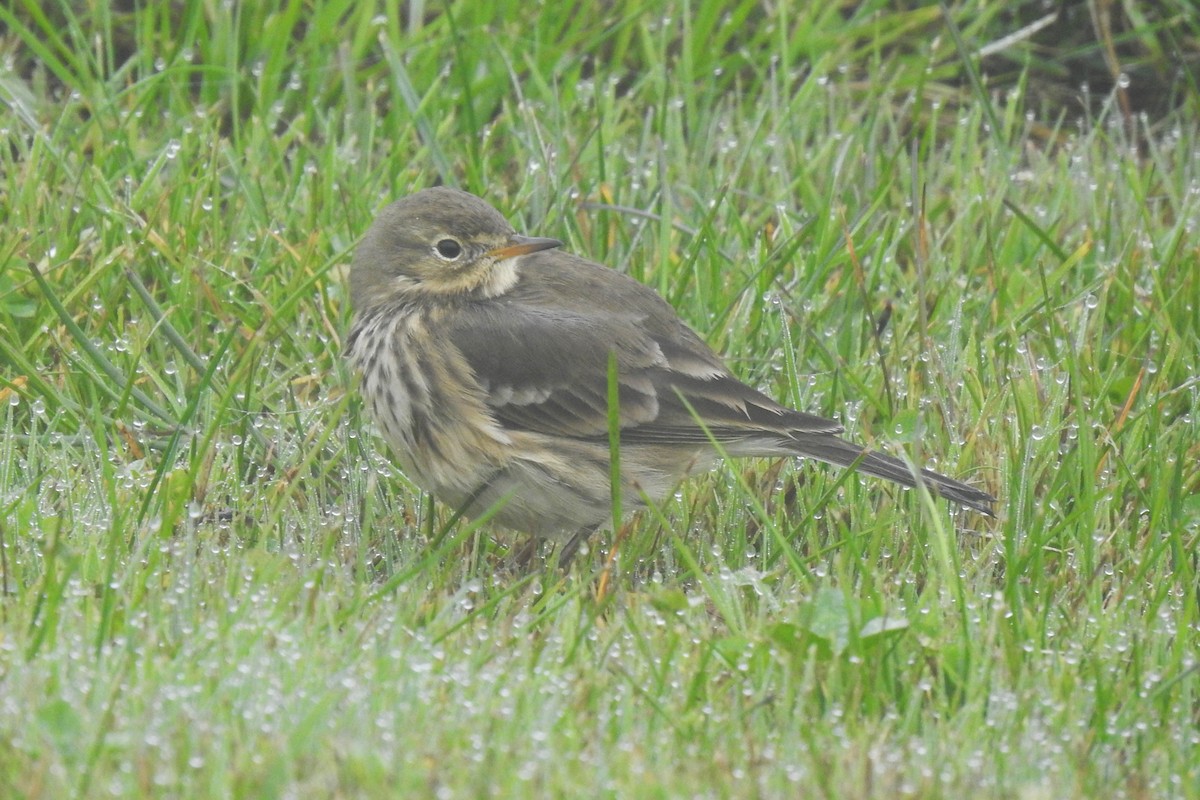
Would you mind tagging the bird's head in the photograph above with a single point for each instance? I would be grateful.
(439, 243)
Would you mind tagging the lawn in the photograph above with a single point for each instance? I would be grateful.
(933, 223)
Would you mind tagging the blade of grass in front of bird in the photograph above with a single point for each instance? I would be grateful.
(614, 440)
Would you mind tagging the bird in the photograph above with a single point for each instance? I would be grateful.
(485, 360)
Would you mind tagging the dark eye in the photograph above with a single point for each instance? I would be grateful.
(448, 249)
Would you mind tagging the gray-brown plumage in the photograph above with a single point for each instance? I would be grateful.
(485, 357)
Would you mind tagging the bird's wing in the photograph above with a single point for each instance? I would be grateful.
(546, 370)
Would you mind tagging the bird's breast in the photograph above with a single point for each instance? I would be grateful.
(426, 401)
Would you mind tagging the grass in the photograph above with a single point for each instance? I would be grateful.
(215, 583)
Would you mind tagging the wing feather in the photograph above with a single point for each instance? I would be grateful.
(546, 371)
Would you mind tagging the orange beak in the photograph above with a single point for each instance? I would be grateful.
(522, 245)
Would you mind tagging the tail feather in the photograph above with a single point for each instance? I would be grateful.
(842, 453)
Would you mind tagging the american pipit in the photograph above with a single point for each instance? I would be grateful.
(485, 360)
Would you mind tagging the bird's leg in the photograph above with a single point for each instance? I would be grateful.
(524, 555)
(569, 548)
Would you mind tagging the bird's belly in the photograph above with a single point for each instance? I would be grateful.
(554, 486)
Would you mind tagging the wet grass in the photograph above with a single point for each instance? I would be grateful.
(214, 583)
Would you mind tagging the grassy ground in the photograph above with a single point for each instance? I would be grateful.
(215, 584)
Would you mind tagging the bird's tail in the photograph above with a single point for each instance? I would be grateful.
(842, 453)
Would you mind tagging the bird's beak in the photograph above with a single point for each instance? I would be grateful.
(522, 245)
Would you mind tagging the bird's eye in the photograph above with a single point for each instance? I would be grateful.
(448, 249)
